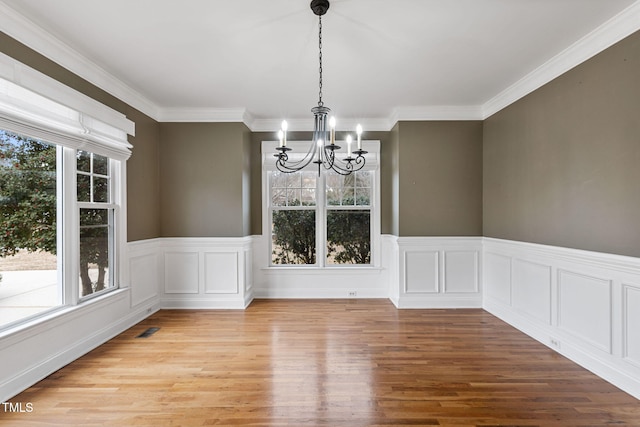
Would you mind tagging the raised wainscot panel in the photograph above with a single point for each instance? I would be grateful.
(497, 277)
(248, 271)
(531, 289)
(144, 278)
(221, 272)
(584, 308)
(461, 272)
(181, 271)
(632, 324)
(421, 272)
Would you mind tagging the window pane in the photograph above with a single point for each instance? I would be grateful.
(28, 228)
(84, 161)
(293, 197)
(278, 179)
(363, 179)
(84, 188)
(349, 237)
(95, 236)
(294, 237)
(294, 189)
(309, 179)
(100, 190)
(100, 165)
(293, 180)
(333, 196)
(363, 196)
(348, 197)
(279, 197)
(308, 197)
(350, 190)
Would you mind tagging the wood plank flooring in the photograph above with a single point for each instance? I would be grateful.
(324, 363)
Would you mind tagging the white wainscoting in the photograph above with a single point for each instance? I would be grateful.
(585, 305)
(144, 271)
(206, 272)
(439, 272)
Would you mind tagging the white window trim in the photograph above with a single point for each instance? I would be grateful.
(299, 148)
(37, 106)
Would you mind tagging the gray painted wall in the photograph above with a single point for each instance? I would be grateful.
(439, 178)
(143, 179)
(204, 170)
(561, 166)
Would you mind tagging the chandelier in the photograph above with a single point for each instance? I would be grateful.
(323, 147)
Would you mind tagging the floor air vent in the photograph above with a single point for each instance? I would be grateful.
(148, 333)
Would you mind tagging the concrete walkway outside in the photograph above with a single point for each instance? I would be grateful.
(28, 292)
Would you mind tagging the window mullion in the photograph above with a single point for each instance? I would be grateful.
(321, 221)
(71, 227)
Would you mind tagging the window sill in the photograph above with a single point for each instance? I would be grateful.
(327, 269)
(56, 317)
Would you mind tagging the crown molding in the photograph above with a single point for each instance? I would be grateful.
(302, 125)
(212, 115)
(615, 29)
(436, 112)
(28, 33)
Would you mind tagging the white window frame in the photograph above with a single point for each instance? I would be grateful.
(300, 148)
(114, 212)
(37, 106)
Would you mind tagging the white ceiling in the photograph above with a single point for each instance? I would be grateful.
(258, 60)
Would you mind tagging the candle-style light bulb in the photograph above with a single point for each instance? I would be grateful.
(349, 141)
(281, 137)
(284, 127)
(359, 132)
(332, 126)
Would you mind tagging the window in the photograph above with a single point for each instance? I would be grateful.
(29, 216)
(293, 216)
(349, 218)
(96, 213)
(62, 187)
(322, 220)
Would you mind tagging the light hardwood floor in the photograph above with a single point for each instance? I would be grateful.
(324, 362)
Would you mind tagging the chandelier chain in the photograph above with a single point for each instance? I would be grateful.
(320, 103)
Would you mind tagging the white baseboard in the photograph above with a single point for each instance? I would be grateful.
(439, 301)
(204, 303)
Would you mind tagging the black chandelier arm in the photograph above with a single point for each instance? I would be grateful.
(283, 164)
(346, 166)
